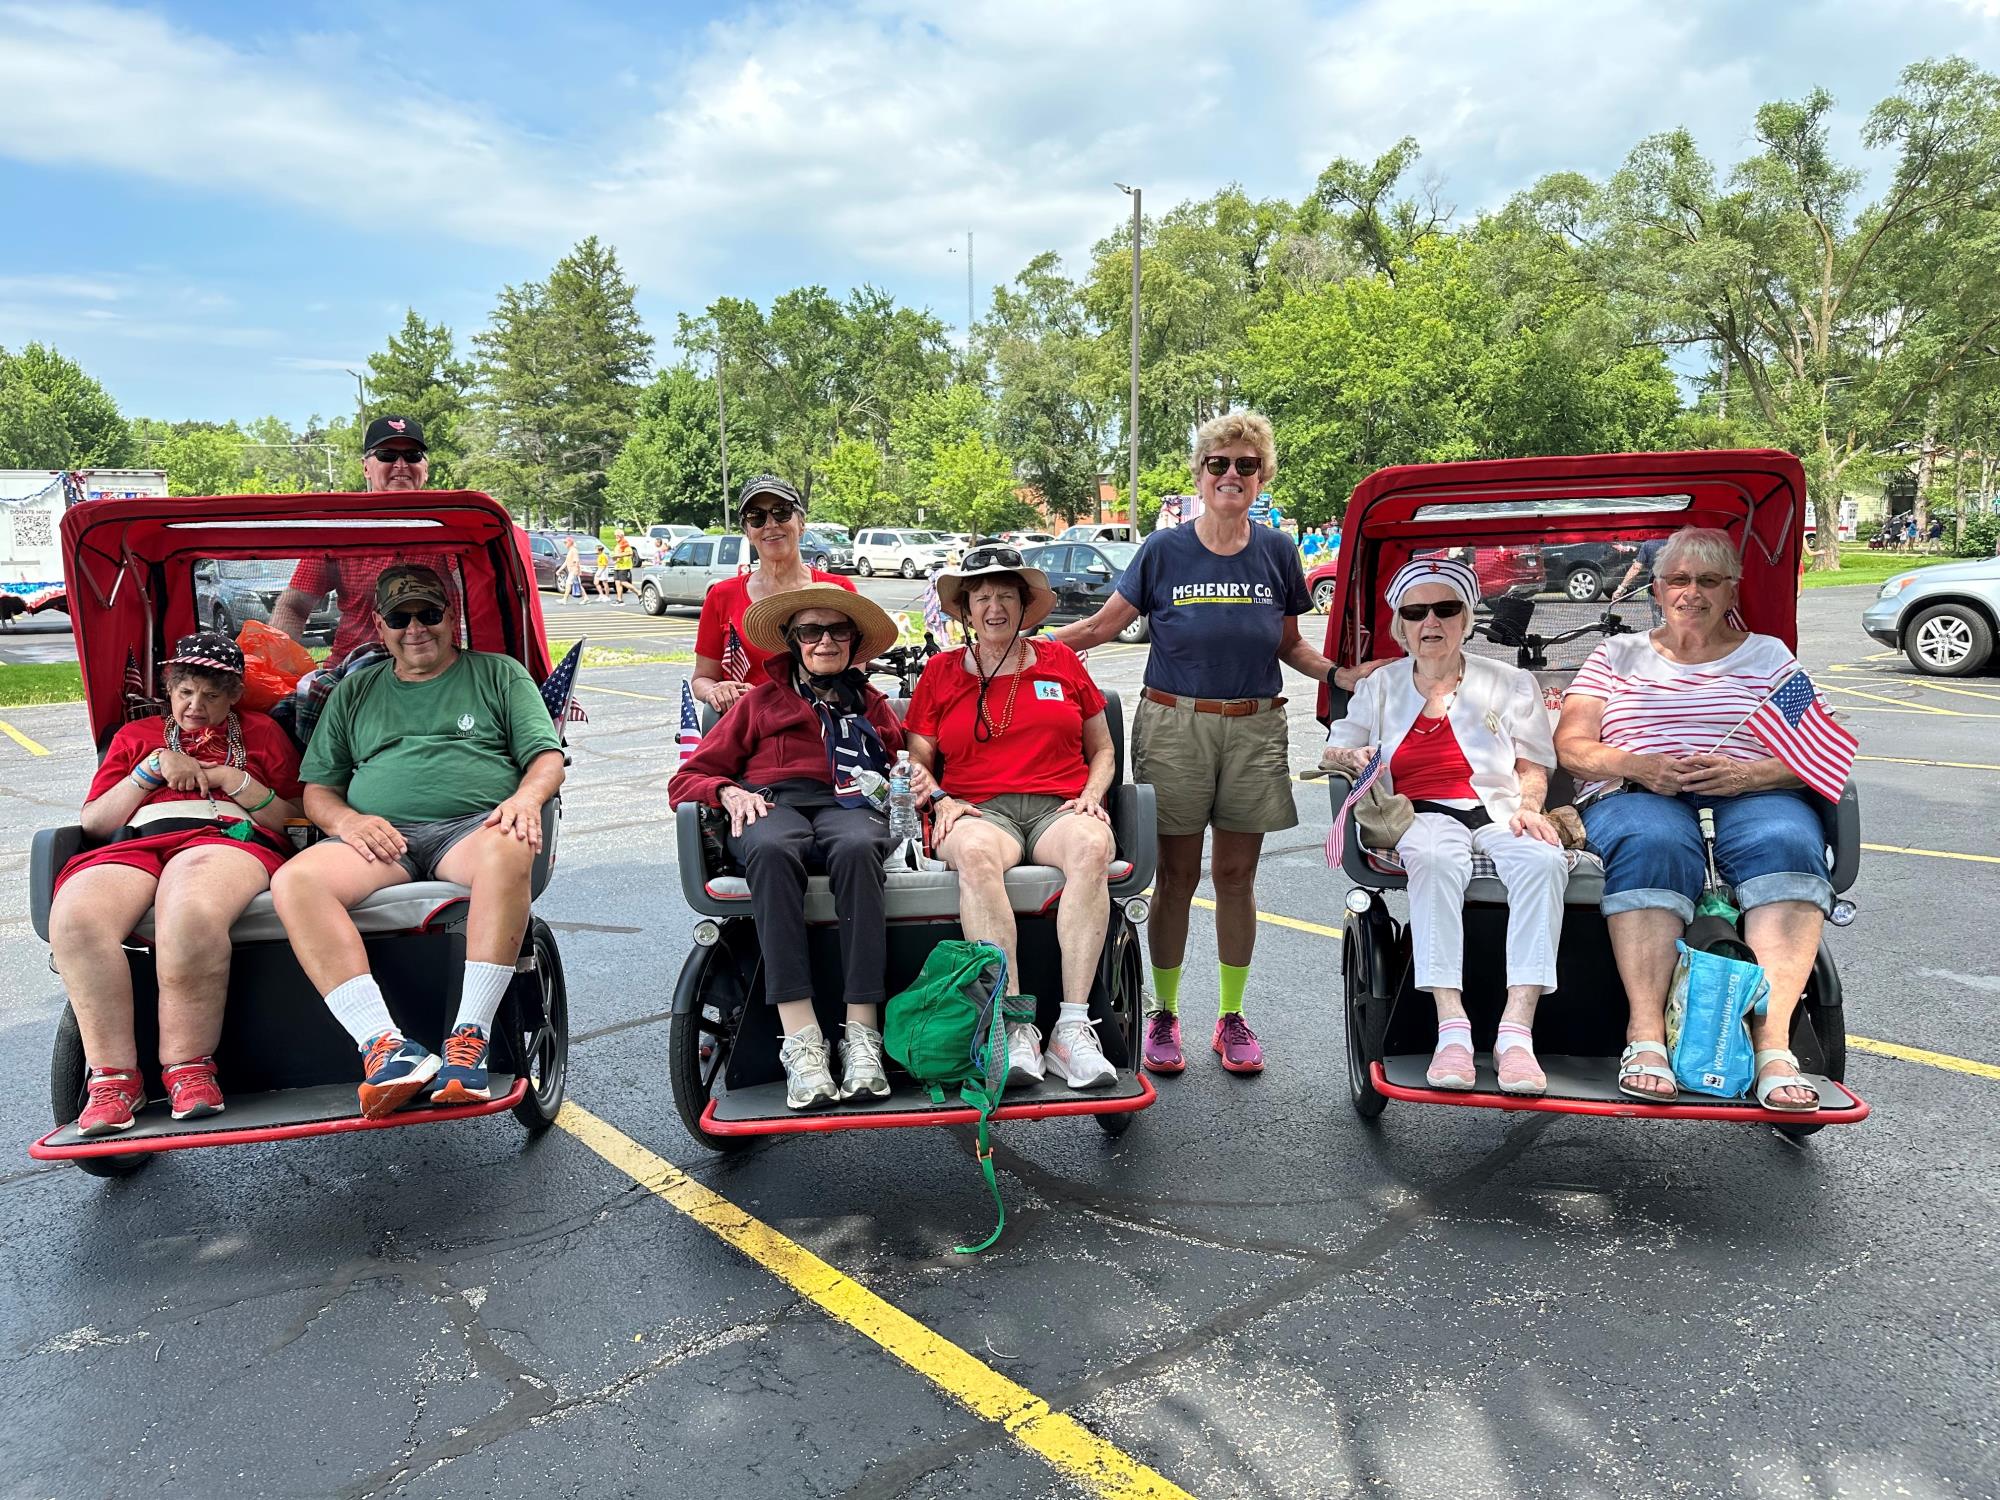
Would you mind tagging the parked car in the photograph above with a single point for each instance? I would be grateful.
(828, 548)
(1084, 575)
(683, 580)
(548, 549)
(667, 537)
(1097, 531)
(1319, 582)
(1502, 570)
(910, 553)
(1028, 538)
(226, 594)
(1586, 571)
(1942, 618)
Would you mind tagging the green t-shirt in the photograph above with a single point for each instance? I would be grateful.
(422, 752)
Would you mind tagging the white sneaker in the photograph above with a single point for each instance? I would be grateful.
(1075, 1057)
(861, 1063)
(807, 1081)
(1024, 1054)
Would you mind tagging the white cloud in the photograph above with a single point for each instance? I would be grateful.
(63, 288)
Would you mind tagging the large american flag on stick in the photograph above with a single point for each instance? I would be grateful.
(1796, 727)
(1337, 840)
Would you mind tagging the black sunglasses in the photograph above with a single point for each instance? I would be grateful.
(993, 557)
(846, 633)
(782, 512)
(399, 619)
(399, 455)
(1215, 463)
(1444, 609)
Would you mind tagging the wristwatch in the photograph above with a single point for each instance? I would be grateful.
(938, 794)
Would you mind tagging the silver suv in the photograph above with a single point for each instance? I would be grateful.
(1943, 618)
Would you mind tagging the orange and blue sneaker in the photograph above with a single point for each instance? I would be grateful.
(192, 1092)
(463, 1078)
(1237, 1045)
(116, 1094)
(397, 1069)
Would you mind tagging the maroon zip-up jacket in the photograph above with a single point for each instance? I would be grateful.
(771, 735)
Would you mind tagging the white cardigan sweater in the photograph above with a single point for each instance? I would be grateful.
(1497, 715)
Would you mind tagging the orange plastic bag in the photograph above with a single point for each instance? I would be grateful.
(273, 663)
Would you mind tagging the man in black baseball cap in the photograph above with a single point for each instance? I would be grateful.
(394, 458)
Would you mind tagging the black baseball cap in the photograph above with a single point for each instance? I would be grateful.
(394, 429)
(772, 485)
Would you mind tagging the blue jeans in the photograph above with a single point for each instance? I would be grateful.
(1770, 845)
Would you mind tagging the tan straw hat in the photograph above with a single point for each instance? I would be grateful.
(989, 562)
(765, 621)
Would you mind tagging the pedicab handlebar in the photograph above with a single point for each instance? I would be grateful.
(1509, 627)
(904, 663)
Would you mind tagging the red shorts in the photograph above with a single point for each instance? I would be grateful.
(151, 854)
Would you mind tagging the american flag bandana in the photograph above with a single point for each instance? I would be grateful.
(1337, 839)
(1796, 727)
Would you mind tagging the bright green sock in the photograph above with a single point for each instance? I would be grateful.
(1167, 988)
(1233, 980)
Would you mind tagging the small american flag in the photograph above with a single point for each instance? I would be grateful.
(558, 689)
(934, 616)
(735, 660)
(1337, 839)
(1800, 732)
(690, 724)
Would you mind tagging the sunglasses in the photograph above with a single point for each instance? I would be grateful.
(844, 634)
(1215, 463)
(782, 512)
(993, 557)
(412, 456)
(399, 619)
(1708, 583)
(1444, 609)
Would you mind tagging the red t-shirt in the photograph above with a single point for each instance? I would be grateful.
(1430, 765)
(353, 575)
(1041, 750)
(723, 609)
(268, 755)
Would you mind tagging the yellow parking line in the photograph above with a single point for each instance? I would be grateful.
(591, 687)
(1277, 921)
(1929, 1059)
(1945, 687)
(1908, 760)
(1901, 707)
(1061, 1441)
(1914, 708)
(1977, 859)
(21, 739)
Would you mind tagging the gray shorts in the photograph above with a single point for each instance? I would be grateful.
(1025, 816)
(427, 843)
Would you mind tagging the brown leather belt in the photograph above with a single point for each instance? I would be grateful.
(1229, 708)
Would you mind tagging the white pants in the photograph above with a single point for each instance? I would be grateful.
(1437, 856)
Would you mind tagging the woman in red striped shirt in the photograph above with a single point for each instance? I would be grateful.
(1659, 719)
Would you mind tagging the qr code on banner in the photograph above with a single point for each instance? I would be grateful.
(35, 528)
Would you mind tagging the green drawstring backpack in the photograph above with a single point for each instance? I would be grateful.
(949, 1029)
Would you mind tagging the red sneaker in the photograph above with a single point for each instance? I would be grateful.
(192, 1090)
(1237, 1045)
(115, 1093)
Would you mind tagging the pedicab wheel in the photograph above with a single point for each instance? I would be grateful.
(1126, 996)
(1361, 1092)
(67, 1071)
(698, 1040)
(541, 1037)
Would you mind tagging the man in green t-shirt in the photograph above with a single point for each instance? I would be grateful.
(432, 766)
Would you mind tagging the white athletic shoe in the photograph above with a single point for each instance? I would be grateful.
(1075, 1057)
(808, 1083)
(861, 1062)
(1024, 1054)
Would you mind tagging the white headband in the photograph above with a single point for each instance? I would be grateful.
(1455, 576)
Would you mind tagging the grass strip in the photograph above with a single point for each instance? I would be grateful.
(40, 682)
(1859, 565)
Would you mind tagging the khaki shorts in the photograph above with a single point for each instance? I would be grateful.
(1209, 771)
(1023, 816)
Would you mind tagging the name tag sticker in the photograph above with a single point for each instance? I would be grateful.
(1048, 690)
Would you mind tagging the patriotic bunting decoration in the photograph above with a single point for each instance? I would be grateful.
(1796, 727)
(558, 689)
(690, 736)
(1337, 839)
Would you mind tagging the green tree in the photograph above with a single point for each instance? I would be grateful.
(1049, 367)
(669, 468)
(850, 491)
(203, 459)
(53, 416)
(971, 487)
(419, 375)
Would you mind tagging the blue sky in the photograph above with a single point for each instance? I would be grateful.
(217, 208)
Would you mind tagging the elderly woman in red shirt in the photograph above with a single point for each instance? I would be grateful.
(1027, 760)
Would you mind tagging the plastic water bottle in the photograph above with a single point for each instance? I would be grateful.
(903, 822)
(874, 786)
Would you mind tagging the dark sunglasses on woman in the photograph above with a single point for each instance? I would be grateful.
(1444, 609)
(399, 619)
(992, 557)
(781, 513)
(1215, 463)
(809, 635)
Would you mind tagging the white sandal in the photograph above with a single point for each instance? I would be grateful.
(1630, 1067)
(1766, 1087)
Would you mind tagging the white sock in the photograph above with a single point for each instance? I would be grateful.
(1069, 1012)
(1513, 1034)
(358, 1006)
(1459, 1031)
(479, 994)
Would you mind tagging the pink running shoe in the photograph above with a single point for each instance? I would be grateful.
(1237, 1044)
(1162, 1049)
(116, 1095)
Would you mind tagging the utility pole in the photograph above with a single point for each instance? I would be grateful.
(1132, 495)
(968, 290)
(360, 404)
(722, 434)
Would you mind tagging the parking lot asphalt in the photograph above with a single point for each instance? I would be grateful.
(1251, 1293)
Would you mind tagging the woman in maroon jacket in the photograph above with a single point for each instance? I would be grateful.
(781, 764)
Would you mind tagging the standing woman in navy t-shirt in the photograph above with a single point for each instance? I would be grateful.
(1222, 598)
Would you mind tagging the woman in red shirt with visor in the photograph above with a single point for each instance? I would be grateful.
(1027, 758)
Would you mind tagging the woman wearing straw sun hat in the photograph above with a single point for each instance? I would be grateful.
(1027, 760)
(782, 763)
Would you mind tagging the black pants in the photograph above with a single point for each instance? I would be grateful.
(809, 830)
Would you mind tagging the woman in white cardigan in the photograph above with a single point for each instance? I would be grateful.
(1467, 740)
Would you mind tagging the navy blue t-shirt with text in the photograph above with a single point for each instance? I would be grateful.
(1216, 621)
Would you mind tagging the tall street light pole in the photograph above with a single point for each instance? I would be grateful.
(722, 433)
(1132, 495)
(953, 250)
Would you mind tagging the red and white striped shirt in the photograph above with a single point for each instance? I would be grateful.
(1653, 706)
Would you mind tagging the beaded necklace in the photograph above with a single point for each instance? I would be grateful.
(991, 730)
(233, 754)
